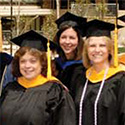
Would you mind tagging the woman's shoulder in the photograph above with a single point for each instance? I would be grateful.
(12, 84)
(119, 72)
(75, 67)
(56, 91)
(117, 79)
(55, 85)
(119, 76)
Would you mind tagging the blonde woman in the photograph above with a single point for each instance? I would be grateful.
(100, 99)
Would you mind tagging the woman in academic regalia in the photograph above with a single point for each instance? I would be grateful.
(100, 99)
(69, 38)
(34, 99)
(29, 39)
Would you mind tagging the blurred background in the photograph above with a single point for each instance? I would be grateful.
(19, 16)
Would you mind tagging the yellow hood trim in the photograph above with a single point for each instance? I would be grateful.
(39, 80)
(95, 77)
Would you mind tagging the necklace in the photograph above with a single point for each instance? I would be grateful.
(96, 101)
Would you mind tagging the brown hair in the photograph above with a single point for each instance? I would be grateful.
(79, 48)
(34, 52)
(86, 61)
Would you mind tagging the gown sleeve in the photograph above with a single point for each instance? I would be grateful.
(8, 77)
(61, 108)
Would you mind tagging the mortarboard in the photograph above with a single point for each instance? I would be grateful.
(122, 18)
(99, 28)
(34, 40)
(71, 20)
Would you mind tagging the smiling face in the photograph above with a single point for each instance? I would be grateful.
(30, 66)
(98, 50)
(68, 41)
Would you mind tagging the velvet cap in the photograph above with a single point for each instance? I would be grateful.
(72, 20)
(99, 28)
(34, 40)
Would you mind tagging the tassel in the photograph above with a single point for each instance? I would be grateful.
(116, 46)
(49, 74)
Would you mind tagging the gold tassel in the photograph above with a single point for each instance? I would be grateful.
(49, 74)
(116, 46)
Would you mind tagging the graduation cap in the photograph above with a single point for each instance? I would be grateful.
(122, 18)
(34, 40)
(71, 20)
(99, 28)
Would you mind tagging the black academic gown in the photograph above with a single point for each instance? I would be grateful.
(70, 74)
(111, 105)
(47, 104)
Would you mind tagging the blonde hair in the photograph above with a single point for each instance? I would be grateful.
(87, 62)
